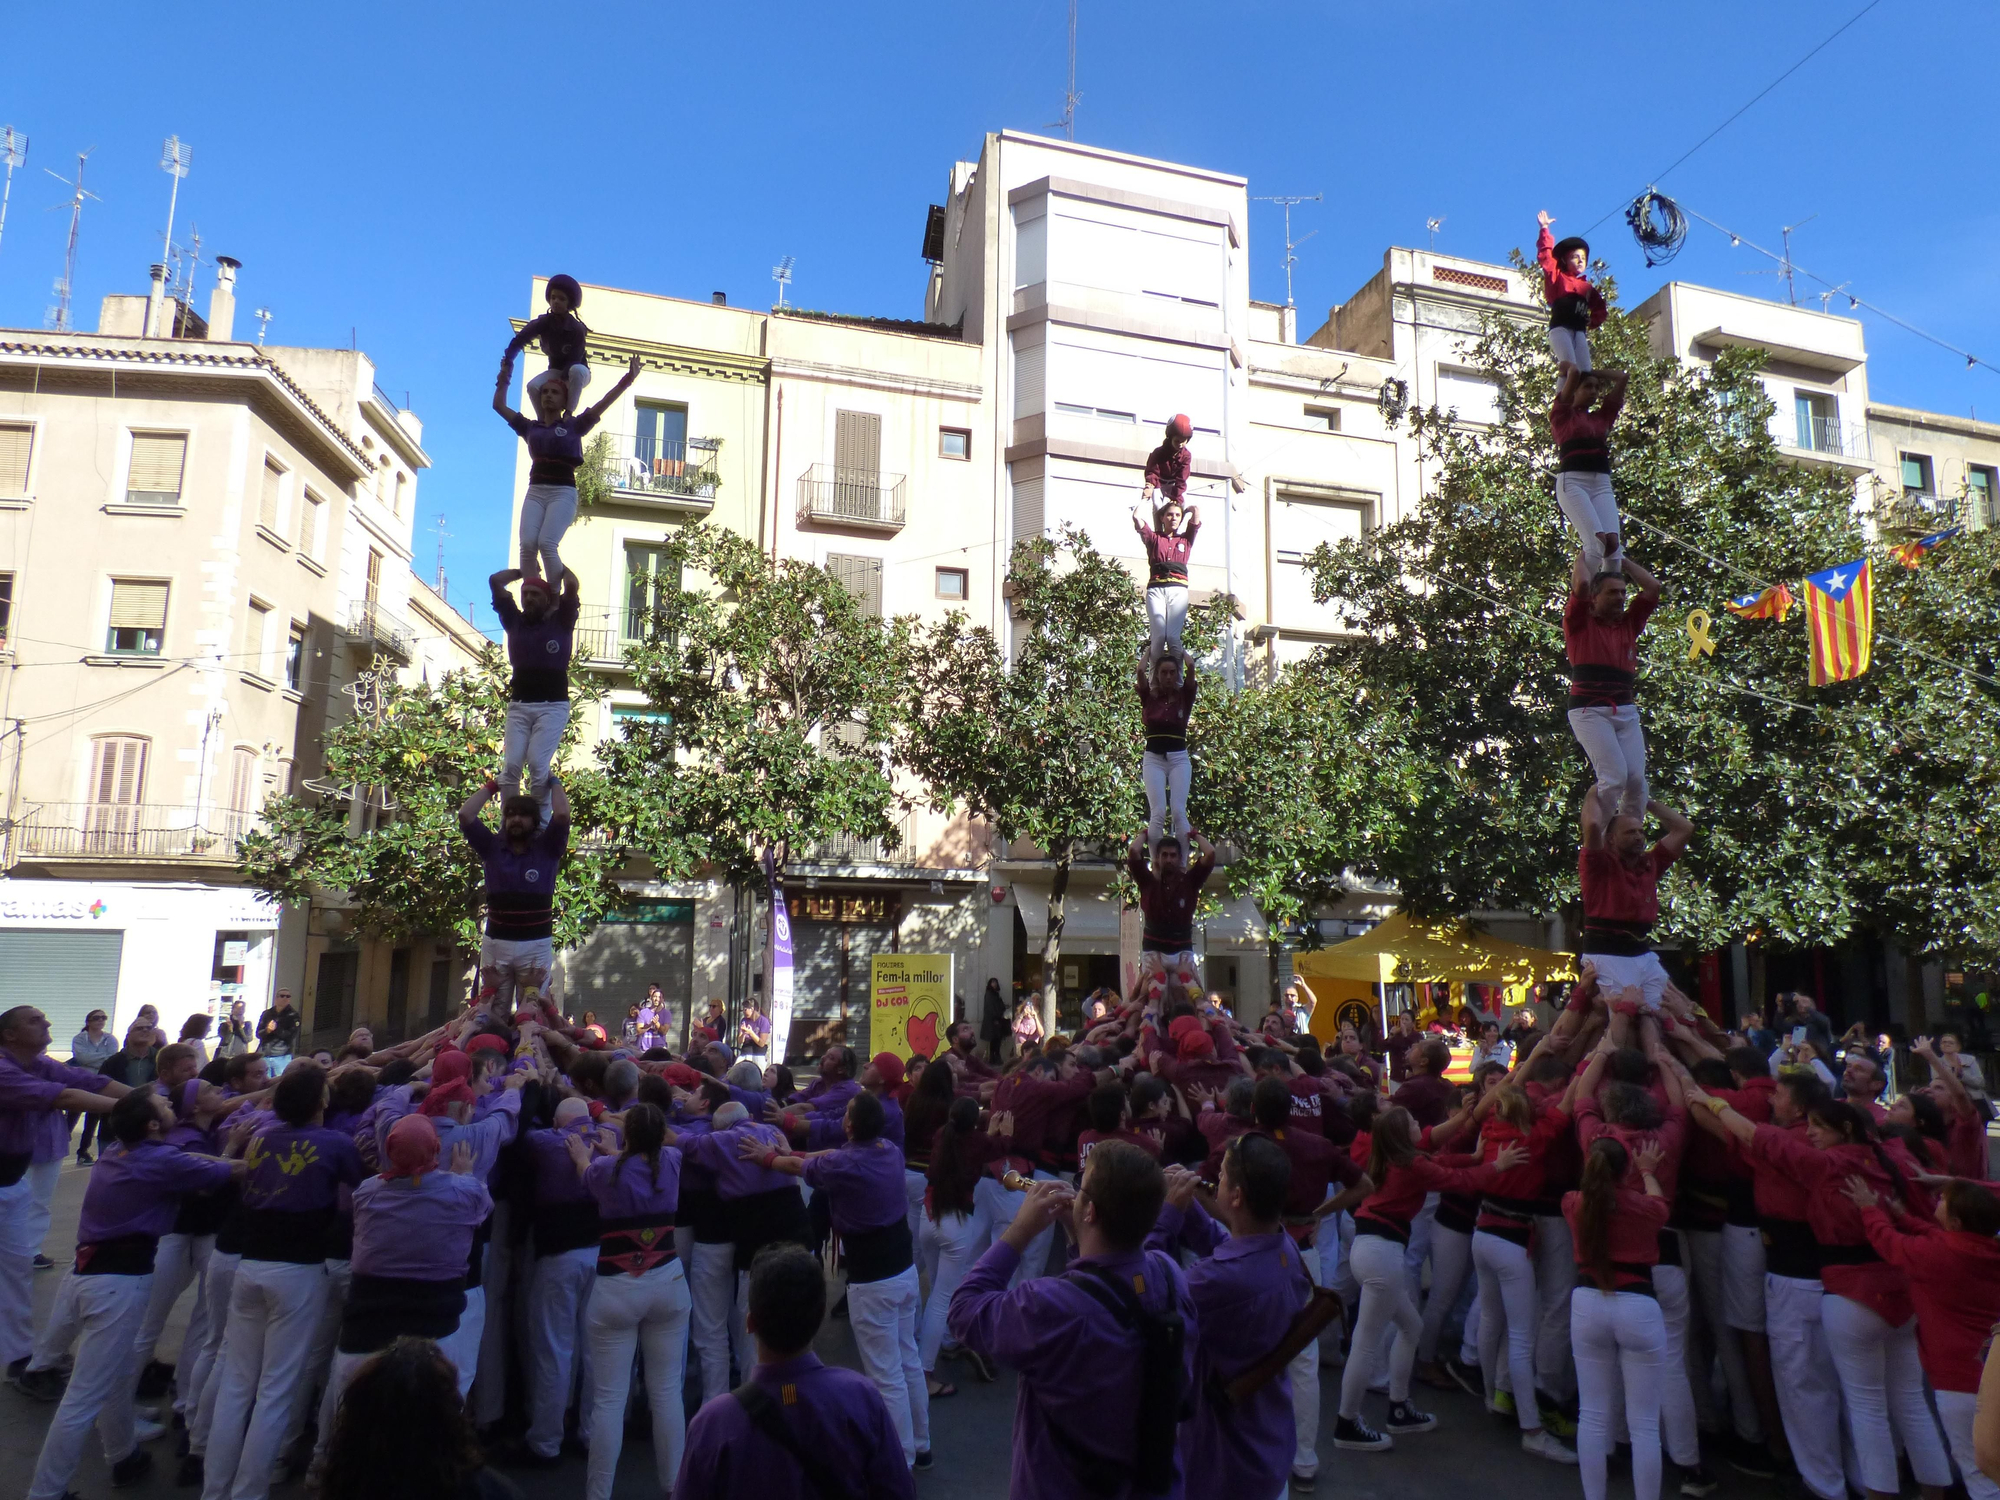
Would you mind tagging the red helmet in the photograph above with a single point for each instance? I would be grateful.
(1181, 427)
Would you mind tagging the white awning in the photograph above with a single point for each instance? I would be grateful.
(1238, 924)
(1086, 918)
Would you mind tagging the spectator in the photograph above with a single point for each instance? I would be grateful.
(132, 1064)
(194, 1033)
(278, 1031)
(232, 1036)
(90, 1049)
(401, 1433)
(993, 1022)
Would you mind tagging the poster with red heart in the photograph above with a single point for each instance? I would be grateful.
(909, 1003)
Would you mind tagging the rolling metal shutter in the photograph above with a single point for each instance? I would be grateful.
(63, 974)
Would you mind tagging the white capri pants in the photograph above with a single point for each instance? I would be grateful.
(1711, 1298)
(1571, 346)
(712, 1294)
(513, 966)
(647, 1313)
(1955, 1409)
(998, 1206)
(1166, 775)
(24, 1224)
(1882, 1384)
(1507, 1301)
(1743, 1277)
(1615, 741)
(883, 1317)
(1808, 1385)
(546, 513)
(1304, 1370)
(534, 730)
(274, 1310)
(1166, 617)
(1619, 1337)
(1677, 1421)
(1385, 1302)
(1591, 507)
(947, 1246)
(559, 1298)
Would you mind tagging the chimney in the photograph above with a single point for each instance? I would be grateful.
(720, 299)
(1288, 325)
(151, 330)
(222, 301)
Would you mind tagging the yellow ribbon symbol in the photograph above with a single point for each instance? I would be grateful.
(1697, 627)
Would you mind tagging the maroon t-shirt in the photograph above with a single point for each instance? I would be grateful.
(1167, 556)
(1603, 658)
(1620, 904)
(1168, 903)
(1428, 1097)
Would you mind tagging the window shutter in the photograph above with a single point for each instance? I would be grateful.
(1027, 508)
(119, 776)
(861, 577)
(156, 463)
(267, 503)
(254, 623)
(308, 522)
(242, 779)
(15, 444)
(138, 606)
(857, 446)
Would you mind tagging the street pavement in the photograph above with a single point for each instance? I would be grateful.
(971, 1434)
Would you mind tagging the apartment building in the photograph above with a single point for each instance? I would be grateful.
(1932, 471)
(202, 543)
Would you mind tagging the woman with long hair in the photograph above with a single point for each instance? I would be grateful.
(640, 1301)
(1381, 1233)
(955, 1230)
(1865, 1310)
(923, 1117)
(1615, 1323)
(401, 1433)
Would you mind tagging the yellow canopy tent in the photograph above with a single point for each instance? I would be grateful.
(1405, 949)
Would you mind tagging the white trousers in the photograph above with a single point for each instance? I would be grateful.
(883, 1315)
(576, 377)
(1808, 1385)
(1882, 1385)
(1591, 508)
(180, 1260)
(1571, 346)
(546, 513)
(914, 1185)
(319, 1359)
(1678, 1431)
(534, 730)
(274, 1310)
(1304, 1370)
(946, 1249)
(1451, 1263)
(1620, 1337)
(1166, 618)
(511, 966)
(1555, 1279)
(647, 1314)
(712, 1286)
(1642, 972)
(461, 1346)
(1615, 741)
(1166, 775)
(100, 1387)
(1385, 1303)
(999, 1207)
(24, 1224)
(1507, 1302)
(1711, 1300)
(1955, 1411)
(1743, 1277)
(205, 1379)
(558, 1297)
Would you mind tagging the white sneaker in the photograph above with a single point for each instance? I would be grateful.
(146, 1432)
(1543, 1445)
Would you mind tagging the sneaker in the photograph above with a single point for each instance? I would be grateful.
(1302, 1484)
(1554, 1449)
(155, 1379)
(43, 1385)
(43, 1263)
(132, 1468)
(924, 1461)
(1355, 1435)
(147, 1432)
(1697, 1482)
(1558, 1422)
(1502, 1405)
(84, 1158)
(16, 1370)
(1467, 1377)
(191, 1473)
(1404, 1417)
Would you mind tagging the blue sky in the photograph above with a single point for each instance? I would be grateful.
(402, 170)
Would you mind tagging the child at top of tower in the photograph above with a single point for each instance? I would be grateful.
(562, 336)
(1169, 465)
(1575, 305)
(1169, 541)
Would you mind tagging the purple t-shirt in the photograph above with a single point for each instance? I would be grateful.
(624, 1186)
(137, 1190)
(863, 1183)
(520, 888)
(836, 1414)
(292, 1191)
(825, 1131)
(420, 1228)
(29, 1120)
(538, 650)
(731, 1173)
(555, 449)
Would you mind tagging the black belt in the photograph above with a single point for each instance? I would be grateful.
(380, 1308)
(878, 1254)
(1382, 1229)
(1789, 1248)
(761, 1219)
(633, 1246)
(126, 1255)
(1848, 1255)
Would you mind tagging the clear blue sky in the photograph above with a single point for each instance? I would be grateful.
(402, 170)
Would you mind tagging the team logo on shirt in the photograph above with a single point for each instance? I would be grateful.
(552, 647)
(532, 875)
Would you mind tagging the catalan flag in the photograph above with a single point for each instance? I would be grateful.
(1840, 621)
(1772, 603)
(1912, 554)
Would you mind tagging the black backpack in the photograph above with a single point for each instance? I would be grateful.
(1165, 1400)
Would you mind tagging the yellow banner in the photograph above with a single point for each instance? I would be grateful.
(909, 1003)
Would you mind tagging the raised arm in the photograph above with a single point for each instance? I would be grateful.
(624, 384)
(558, 800)
(1649, 586)
(476, 803)
(1945, 1074)
(1592, 819)
(1679, 829)
(501, 404)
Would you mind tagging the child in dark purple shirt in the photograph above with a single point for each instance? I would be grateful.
(1167, 551)
(555, 453)
(563, 339)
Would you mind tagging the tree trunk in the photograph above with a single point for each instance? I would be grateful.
(1276, 946)
(1052, 943)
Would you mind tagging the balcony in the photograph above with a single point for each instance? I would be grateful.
(1825, 440)
(372, 626)
(1916, 511)
(129, 832)
(847, 851)
(631, 469)
(851, 497)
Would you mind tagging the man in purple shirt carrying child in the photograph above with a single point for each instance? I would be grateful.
(521, 862)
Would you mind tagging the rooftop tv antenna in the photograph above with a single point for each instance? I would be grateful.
(442, 534)
(1070, 95)
(176, 156)
(1292, 245)
(1432, 226)
(1785, 267)
(263, 317)
(58, 316)
(13, 153)
(782, 274)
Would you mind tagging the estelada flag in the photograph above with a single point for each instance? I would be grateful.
(1911, 554)
(1771, 603)
(1840, 621)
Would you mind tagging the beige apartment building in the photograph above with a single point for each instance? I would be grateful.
(1933, 471)
(203, 543)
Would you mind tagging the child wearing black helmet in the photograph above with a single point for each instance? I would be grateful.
(562, 335)
(1575, 306)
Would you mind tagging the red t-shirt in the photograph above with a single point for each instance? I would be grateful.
(1603, 656)
(1965, 1146)
(1634, 1239)
(1620, 904)
(1167, 554)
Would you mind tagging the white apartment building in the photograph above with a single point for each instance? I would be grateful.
(202, 542)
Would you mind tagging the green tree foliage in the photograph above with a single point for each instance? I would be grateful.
(780, 697)
(1818, 812)
(413, 754)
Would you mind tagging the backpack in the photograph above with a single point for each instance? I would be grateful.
(1165, 1400)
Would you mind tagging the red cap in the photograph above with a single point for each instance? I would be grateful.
(1197, 1044)
(1181, 427)
(441, 1095)
(486, 1041)
(889, 1068)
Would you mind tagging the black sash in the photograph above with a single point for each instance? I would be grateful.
(766, 1219)
(878, 1254)
(127, 1255)
(379, 1308)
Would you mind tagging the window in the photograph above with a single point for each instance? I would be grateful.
(295, 659)
(155, 475)
(659, 439)
(863, 578)
(623, 714)
(954, 584)
(372, 585)
(16, 443)
(309, 519)
(396, 495)
(256, 622)
(1818, 417)
(1324, 416)
(1472, 398)
(244, 797)
(6, 607)
(138, 618)
(1917, 475)
(1982, 501)
(1101, 413)
(650, 574)
(954, 442)
(271, 502)
(1304, 522)
(117, 788)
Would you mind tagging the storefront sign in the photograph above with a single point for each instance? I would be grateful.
(910, 1002)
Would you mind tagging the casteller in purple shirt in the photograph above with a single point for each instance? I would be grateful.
(30, 1123)
(727, 1170)
(863, 1183)
(137, 1190)
(836, 1415)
